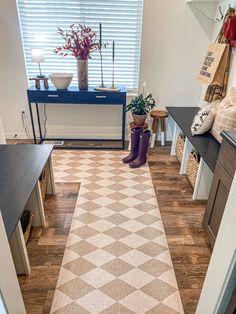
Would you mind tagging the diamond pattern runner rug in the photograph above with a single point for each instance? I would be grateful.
(117, 258)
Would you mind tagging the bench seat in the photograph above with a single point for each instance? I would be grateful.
(206, 145)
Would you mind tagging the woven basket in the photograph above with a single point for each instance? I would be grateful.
(43, 185)
(192, 167)
(180, 146)
(26, 223)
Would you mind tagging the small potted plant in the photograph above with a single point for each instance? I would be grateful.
(140, 106)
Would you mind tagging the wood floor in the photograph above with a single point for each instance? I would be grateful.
(182, 218)
(46, 249)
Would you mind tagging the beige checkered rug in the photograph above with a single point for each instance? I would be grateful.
(116, 258)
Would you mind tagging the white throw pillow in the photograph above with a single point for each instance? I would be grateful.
(203, 120)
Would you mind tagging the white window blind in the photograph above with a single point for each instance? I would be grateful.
(121, 21)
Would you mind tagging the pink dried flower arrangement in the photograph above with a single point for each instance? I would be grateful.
(80, 42)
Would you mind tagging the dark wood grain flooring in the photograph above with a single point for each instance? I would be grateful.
(182, 218)
(46, 248)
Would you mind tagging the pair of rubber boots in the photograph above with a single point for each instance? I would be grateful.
(139, 148)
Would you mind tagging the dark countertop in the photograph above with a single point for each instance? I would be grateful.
(21, 167)
(205, 144)
(230, 137)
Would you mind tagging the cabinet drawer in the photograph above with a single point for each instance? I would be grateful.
(52, 97)
(101, 98)
(227, 158)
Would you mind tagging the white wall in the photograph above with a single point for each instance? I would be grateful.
(173, 46)
(13, 81)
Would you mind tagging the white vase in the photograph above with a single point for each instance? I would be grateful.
(82, 70)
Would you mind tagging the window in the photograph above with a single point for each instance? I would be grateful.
(121, 21)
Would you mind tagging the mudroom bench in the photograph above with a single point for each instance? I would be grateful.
(206, 145)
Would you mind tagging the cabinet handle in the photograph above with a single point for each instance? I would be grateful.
(101, 97)
(55, 96)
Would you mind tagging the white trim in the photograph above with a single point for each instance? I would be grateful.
(2, 135)
(12, 136)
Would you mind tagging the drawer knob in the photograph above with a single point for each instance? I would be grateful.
(101, 97)
(55, 96)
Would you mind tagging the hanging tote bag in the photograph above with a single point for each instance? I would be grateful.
(218, 70)
(213, 64)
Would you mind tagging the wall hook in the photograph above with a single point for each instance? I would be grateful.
(221, 13)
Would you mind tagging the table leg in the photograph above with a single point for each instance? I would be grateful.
(35, 206)
(19, 251)
(123, 124)
(39, 123)
(9, 285)
(50, 177)
(32, 122)
(203, 182)
(154, 132)
(188, 147)
(163, 130)
(176, 132)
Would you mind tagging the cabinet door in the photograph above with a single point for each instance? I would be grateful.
(231, 309)
(220, 188)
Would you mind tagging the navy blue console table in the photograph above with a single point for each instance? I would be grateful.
(77, 97)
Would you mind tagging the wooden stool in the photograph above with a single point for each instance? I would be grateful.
(38, 80)
(132, 126)
(158, 115)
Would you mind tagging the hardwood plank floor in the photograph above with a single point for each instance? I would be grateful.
(46, 249)
(182, 218)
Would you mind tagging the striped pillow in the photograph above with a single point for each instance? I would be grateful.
(225, 118)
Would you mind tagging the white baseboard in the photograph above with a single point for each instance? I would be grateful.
(98, 132)
(21, 136)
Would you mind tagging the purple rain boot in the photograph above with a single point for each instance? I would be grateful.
(135, 137)
(143, 149)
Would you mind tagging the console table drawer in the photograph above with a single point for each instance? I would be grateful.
(103, 98)
(51, 97)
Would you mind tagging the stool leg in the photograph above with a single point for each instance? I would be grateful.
(154, 132)
(162, 132)
(129, 148)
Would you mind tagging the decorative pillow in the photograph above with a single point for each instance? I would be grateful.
(203, 120)
(225, 115)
